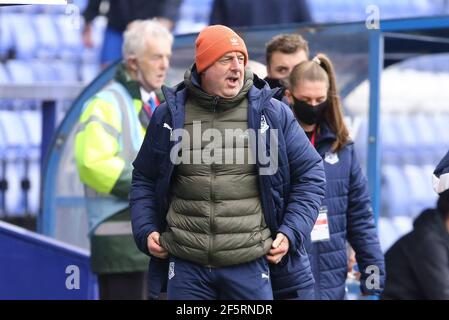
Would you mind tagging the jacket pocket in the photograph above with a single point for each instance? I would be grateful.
(292, 273)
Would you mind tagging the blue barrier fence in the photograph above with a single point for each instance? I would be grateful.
(33, 266)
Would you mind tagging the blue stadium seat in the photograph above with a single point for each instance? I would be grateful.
(391, 229)
(66, 71)
(31, 9)
(92, 55)
(194, 16)
(360, 137)
(427, 140)
(2, 171)
(24, 36)
(32, 121)
(20, 72)
(69, 38)
(390, 141)
(15, 156)
(82, 4)
(48, 38)
(406, 139)
(4, 77)
(440, 123)
(6, 37)
(89, 71)
(419, 186)
(43, 71)
(388, 234)
(395, 192)
(55, 9)
(318, 10)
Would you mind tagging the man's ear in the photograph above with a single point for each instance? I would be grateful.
(268, 70)
(202, 74)
(289, 96)
(131, 61)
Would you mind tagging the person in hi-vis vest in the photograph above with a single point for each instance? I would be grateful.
(110, 131)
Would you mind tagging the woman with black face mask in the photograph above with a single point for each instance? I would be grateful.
(346, 213)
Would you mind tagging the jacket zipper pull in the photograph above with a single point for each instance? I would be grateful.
(216, 102)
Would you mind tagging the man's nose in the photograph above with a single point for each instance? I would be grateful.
(235, 63)
(165, 63)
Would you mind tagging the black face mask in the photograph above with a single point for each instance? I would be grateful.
(274, 83)
(306, 113)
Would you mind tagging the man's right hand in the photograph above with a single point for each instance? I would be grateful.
(154, 247)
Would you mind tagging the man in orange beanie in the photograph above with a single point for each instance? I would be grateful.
(220, 44)
(225, 225)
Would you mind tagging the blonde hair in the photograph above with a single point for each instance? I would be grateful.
(320, 69)
(137, 33)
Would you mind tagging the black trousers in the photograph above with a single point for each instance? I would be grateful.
(123, 286)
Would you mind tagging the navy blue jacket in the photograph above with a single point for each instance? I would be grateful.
(290, 197)
(418, 263)
(350, 218)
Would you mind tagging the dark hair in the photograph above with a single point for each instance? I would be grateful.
(320, 68)
(286, 43)
(443, 204)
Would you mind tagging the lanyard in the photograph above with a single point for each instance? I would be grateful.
(312, 138)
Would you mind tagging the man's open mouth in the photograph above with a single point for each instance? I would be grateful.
(233, 80)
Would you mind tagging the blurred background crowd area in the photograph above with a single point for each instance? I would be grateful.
(42, 44)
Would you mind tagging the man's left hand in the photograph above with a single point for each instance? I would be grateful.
(279, 248)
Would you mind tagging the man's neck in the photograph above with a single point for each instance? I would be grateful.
(131, 73)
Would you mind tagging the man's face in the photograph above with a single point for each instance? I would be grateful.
(282, 64)
(225, 77)
(152, 63)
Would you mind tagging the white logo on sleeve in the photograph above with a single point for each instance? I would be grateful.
(263, 124)
(265, 276)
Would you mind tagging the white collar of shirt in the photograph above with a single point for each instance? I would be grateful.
(146, 95)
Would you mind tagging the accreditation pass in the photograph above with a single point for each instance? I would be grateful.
(320, 230)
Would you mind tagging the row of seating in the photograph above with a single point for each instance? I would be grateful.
(46, 8)
(20, 162)
(411, 146)
(406, 190)
(193, 16)
(406, 91)
(322, 10)
(44, 36)
(415, 139)
(38, 71)
(390, 229)
(435, 64)
(351, 10)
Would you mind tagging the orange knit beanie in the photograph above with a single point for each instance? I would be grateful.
(215, 41)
